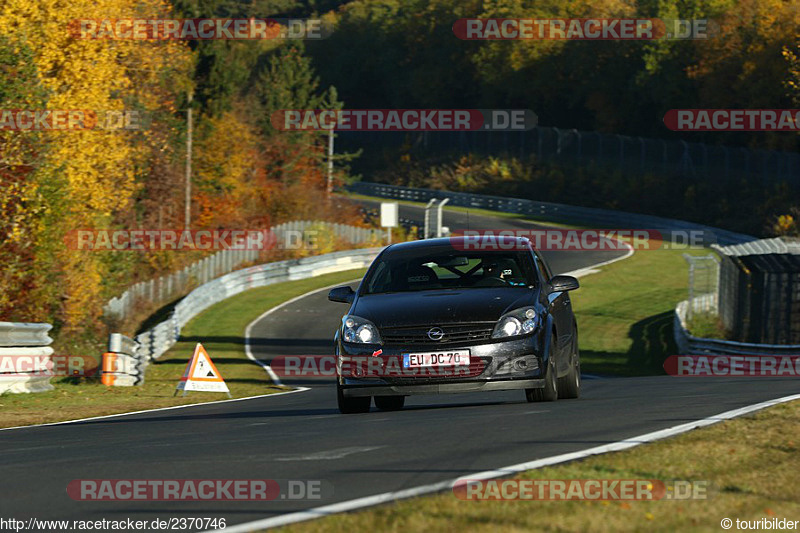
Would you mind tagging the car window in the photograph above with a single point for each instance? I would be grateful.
(417, 270)
(544, 268)
(381, 278)
(444, 273)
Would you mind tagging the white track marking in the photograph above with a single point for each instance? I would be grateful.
(585, 271)
(299, 389)
(272, 375)
(326, 455)
(247, 352)
(388, 497)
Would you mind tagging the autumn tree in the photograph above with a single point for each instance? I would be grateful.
(97, 172)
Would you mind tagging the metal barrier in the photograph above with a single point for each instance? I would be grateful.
(25, 339)
(552, 212)
(759, 284)
(157, 340)
(166, 288)
(123, 364)
(690, 345)
(24, 334)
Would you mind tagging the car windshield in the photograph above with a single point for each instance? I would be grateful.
(422, 270)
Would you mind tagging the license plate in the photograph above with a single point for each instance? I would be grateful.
(443, 358)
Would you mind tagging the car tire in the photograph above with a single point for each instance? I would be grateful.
(390, 403)
(569, 386)
(549, 392)
(358, 404)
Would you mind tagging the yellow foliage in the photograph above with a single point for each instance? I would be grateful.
(785, 225)
(98, 167)
(225, 156)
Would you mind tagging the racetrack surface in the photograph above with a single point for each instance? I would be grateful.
(302, 436)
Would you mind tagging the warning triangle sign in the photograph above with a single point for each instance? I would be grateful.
(201, 374)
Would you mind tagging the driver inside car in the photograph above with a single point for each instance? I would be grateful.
(504, 269)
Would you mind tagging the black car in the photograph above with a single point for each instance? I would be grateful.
(456, 315)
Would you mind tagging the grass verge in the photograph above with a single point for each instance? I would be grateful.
(708, 325)
(748, 464)
(625, 312)
(228, 319)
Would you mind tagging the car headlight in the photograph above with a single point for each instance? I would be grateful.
(360, 330)
(518, 322)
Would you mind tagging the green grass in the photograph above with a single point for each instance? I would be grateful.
(749, 466)
(708, 325)
(82, 398)
(625, 312)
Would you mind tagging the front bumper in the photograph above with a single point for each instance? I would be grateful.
(441, 388)
(503, 365)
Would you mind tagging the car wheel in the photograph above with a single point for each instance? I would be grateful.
(570, 385)
(549, 392)
(390, 403)
(359, 404)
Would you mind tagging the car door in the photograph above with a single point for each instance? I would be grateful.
(560, 308)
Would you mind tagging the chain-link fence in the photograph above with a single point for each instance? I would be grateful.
(627, 155)
(703, 284)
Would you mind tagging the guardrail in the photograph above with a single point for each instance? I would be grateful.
(690, 345)
(285, 236)
(25, 339)
(551, 211)
(24, 334)
(157, 340)
(123, 364)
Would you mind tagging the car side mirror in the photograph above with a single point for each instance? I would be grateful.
(563, 283)
(344, 295)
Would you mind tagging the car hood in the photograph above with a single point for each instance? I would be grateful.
(441, 306)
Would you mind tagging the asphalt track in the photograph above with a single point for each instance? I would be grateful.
(301, 436)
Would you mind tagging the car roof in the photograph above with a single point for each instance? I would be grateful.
(494, 243)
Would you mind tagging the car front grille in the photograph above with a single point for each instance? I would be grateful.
(391, 369)
(453, 333)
